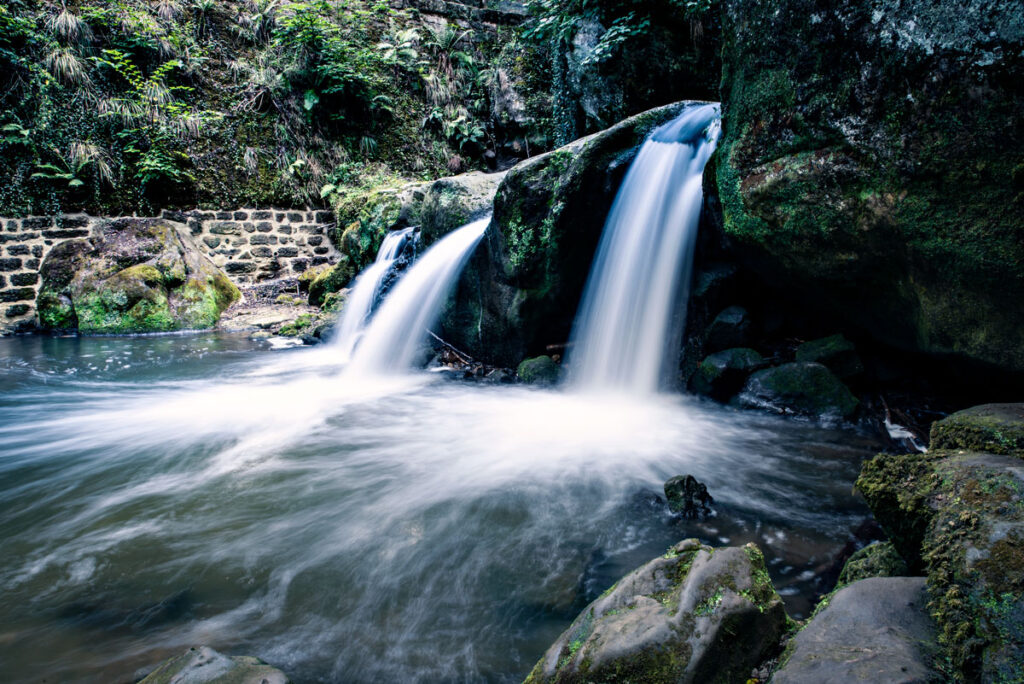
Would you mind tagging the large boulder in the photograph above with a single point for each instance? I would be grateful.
(135, 275)
(696, 614)
(957, 515)
(540, 370)
(203, 665)
(520, 290)
(870, 167)
(874, 630)
(721, 375)
(807, 389)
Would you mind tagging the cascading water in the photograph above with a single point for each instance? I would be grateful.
(391, 342)
(629, 316)
(359, 305)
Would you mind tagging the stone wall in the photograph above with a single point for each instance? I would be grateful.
(250, 245)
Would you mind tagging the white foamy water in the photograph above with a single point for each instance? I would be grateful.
(357, 309)
(357, 529)
(393, 340)
(634, 304)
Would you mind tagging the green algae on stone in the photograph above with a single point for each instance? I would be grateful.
(540, 370)
(696, 614)
(804, 388)
(993, 428)
(135, 276)
(874, 560)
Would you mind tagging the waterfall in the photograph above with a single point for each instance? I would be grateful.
(630, 313)
(394, 336)
(359, 304)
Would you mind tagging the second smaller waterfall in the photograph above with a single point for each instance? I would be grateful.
(394, 337)
(359, 306)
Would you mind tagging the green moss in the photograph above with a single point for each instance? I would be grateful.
(993, 428)
(875, 560)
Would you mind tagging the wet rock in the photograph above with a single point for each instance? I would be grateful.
(540, 370)
(993, 428)
(835, 353)
(696, 614)
(803, 388)
(874, 630)
(876, 560)
(730, 328)
(136, 275)
(722, 374)
(958, 516)
(851, 195)
(203, 665)
(687, 496)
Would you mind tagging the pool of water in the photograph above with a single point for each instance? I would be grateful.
(168, 491)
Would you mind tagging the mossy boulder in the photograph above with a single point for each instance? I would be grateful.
(520, 290)
(875, 560)
(808, 389)
(687, 496)
(721, 375)
(134, 276)
(202, 665)
(993, 428)
(540, 370)
(873, 630)
(869, 168)
(835, 353)
(958, 516)
(696, 614)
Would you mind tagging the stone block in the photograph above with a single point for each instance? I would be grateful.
(319, 260)
(249, 227)
(37, 251)
(65, 234)
(324, 217)
(286, 229)
(261, 215)
(300, 265)
(265, 226)
(13, 226)
(295, 217)
(240, 267)
(280, 216)
(75, 221)
(262, 252)
(311, 229)
(10, 264)
(36, 223)
(17, 310)
(32, 264)
(226, 228)
(263, 239)
(287, 252)
(241, 216)
(24, 279)
(223, 215)
(18, 294)
(321, 250)
(314, 240)
(17, 250)
(211, 241)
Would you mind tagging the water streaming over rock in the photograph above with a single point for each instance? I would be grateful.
(391, 342)
(630, 314)
(361, 300)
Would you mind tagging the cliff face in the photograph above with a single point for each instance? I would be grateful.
(870, 166)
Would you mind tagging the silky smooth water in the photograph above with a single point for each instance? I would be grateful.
(361, 300)
(167, 491)
(634, 304)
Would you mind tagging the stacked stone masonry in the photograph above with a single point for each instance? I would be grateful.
(250, 245)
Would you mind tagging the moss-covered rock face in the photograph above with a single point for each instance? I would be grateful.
(870, 163)
(520, 291)
(804, 388)
(696, 614)
(137, 275)
(994, 428)
(203, 665)
(958, 516)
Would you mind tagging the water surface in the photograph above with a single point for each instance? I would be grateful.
(161, 492)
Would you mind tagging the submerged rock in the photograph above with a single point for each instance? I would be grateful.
(993, 428)
(874, 630)
(697, 614)
(203, 665)
(835, 353)
(958, 516)
(803, 388)
(687, 496)
(722, 374)
(136, 275)
(540, 370)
